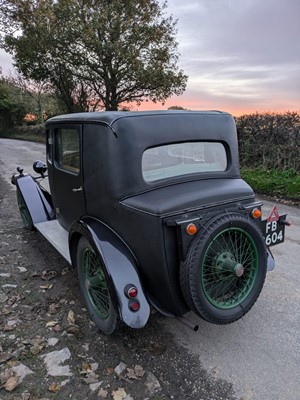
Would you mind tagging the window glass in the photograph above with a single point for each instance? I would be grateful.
(49, 145)
(68, 149)
(183, 158)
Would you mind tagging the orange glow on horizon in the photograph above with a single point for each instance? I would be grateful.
(192, 104)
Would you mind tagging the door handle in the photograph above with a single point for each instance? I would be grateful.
(77, 189)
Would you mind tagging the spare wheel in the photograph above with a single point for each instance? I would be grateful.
(225, 268)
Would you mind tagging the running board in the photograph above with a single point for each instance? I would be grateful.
(56, 235)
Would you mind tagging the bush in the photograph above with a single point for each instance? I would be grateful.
(270, 141)
(34, 133)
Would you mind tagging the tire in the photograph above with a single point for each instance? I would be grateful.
(225, 269)
(24, 212)
(94, 288)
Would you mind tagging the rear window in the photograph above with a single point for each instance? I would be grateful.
(183, 158)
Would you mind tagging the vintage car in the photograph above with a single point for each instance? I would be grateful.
(151, 209)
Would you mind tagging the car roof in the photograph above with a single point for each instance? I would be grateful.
(109, 117)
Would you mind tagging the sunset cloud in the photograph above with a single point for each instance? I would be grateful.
(240, 55)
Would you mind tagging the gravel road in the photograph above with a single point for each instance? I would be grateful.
(256, 358)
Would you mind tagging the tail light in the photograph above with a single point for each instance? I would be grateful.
(130, 291)
(191, 229)
(256, 213)
(134, 305)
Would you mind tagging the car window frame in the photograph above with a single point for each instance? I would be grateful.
(55, 153)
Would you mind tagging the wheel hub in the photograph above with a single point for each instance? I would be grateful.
(225, 261)
(239, 270)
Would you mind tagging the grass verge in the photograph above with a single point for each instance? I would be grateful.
(282, 184)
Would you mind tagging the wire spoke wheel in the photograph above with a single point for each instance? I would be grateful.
(24, 212)
(229, 268)
(95, 283)
(95, 288)
(225, 269)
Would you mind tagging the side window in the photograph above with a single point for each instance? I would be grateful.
(49, 145)
(67, 148)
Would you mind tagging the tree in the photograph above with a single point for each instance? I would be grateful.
(116, 51)
(12, 106)
(34, 34)
(35, 93)
(176, 108)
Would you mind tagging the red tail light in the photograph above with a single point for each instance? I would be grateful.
(134, 305)
(130, 291)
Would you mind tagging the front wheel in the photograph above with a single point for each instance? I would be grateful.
(94, 287)
(24, 212)
(225, 269)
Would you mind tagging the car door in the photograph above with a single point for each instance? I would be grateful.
(67, 173)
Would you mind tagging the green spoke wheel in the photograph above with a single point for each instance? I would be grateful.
(225, 269)
(24, 212)
(229, 268)
(95, 283)
(94, 287)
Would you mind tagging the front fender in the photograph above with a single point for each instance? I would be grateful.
(38, 205)
(120, 264)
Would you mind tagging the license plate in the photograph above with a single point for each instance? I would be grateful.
(273, 231)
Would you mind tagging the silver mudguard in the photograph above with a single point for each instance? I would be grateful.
(121, 266)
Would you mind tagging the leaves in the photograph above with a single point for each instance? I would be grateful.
(111, 52)
(5, 357)
(270, 141)
(38, 344)
(47, 287)
(47, 275)
(119, 394)
(86, 368)
(136, 372)
(91, 377)
(51, 324)
(103, 393)
(54, 388)
(71, 317)
(53, 308)
(74, 330)
(11, 383)
(12, 377)
(89, 371)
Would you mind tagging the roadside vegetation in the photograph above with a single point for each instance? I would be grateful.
(269, 145)
(30, 133)
(281, 184)
(269, 151)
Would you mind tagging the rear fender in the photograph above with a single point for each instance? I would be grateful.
(271, 261)
(38, 205)
(120, 264)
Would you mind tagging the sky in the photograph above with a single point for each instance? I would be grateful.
(241, 56)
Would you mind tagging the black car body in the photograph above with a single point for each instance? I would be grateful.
(153, 195)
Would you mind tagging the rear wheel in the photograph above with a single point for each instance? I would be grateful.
(24, 212)
(94, 287)
(225, 269)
